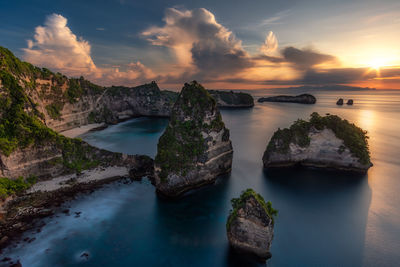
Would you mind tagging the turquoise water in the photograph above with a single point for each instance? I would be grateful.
(325, 218)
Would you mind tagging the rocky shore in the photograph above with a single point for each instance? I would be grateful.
(323, 142)
(39, 167)
(301, 99)
(21, 213)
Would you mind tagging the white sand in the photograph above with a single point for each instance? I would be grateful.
(75, 132)
(87, 176)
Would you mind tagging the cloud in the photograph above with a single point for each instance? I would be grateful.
(204, 49)
(201, 45)
(275, 19)
(56, 47)
(349, 75)
(270, 45)
(302, 59)
(305, 58)
(134, 73)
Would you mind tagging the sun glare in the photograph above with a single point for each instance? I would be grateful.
(378, 63)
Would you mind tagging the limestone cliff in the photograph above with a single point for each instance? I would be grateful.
(250, 225)
(323, 142)
(27, 146)
(65, 103)
(195, 147)
(119, 103)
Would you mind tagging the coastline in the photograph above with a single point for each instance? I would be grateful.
(80, 130)
(20, 213)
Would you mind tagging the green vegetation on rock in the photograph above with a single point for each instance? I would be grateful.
(353, 137)
(182, 142)
(54, 110)
(12, 64)
(28, 74)
(17, 127)
(240, 202)
(10, 187)
(178, 148)
(20, 127)
(79, 87)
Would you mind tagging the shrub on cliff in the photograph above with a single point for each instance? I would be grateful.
(10, 187)
(239, 202)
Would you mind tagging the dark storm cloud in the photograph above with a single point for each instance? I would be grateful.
(299, 58)
(217, 58)
(305, 58)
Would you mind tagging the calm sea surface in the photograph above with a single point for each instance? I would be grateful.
(325, 218)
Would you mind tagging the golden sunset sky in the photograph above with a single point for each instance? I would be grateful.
(224, 45)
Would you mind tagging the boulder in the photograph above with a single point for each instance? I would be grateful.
(250, 225)
(323, 142)
(339, 102)
(195, 147)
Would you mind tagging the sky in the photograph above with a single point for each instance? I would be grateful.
(222, 44)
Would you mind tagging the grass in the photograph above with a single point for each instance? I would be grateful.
(238, 203)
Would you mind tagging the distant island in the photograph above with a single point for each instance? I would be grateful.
(231, 99)
(300, 99)
(334, 87)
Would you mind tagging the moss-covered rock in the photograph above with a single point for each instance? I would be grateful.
(323, 141)
(195, 147)
(250, 225)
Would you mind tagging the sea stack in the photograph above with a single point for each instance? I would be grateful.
(250, 225)
(350, 102)
(339, 102)
(322, 142)
(195, 147)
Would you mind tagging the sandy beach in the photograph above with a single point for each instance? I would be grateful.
(86, 176)
(75, 132)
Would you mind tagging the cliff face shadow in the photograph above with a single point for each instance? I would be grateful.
(322, 216)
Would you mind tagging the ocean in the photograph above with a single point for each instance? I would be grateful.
(325, 218)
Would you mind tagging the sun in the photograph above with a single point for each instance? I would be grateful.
(377, 63)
